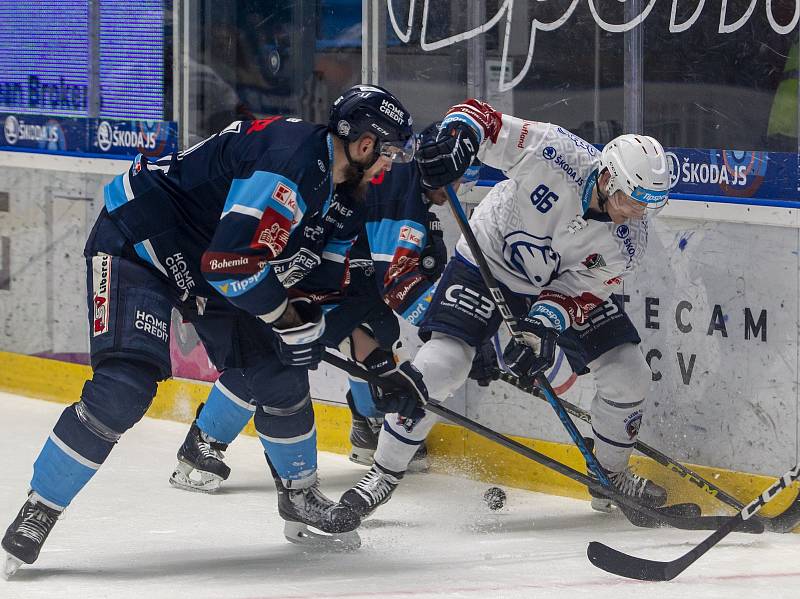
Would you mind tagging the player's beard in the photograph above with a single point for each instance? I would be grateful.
(355, 184)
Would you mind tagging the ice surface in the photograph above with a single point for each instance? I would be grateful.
(129, 534)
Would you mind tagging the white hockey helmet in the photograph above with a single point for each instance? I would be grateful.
(638, 167)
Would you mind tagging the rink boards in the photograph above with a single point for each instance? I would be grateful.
(716, 304)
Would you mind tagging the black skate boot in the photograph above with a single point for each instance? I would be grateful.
(305, 507)
(374, 489)
(24, 538)
(200, 467)
(364, 441)
(632, 485)
(363, 435)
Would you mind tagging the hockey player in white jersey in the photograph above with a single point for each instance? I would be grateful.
(559, 235)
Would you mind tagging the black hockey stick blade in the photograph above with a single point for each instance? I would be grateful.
(629, 566)
(676, 510)
(685, 516)
(613, 561)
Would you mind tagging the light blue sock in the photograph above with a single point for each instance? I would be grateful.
(225, 413)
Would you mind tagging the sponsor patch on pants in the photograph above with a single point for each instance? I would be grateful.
(101, 293)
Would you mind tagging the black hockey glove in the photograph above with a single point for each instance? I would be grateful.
(300, 345)
(404, 390)
(537, 354)
(484, 365)
(433, 258)
(446, 159)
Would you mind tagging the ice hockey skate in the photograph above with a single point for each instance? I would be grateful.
(373, 490)
(332, 524)
(27, 533)
(633, 485)
(364, 441)
(200, 467)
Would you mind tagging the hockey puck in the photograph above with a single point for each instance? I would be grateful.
(495, 498)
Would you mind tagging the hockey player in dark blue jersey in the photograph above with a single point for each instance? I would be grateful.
(393, 267)
(221, 231)
(407, 255)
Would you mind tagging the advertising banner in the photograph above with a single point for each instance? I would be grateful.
(80, 136)
(42, 133)
(126, 138)
(735, 173)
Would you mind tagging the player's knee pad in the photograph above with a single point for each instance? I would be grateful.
(117, 397)
(292, 421)
(444, 362)
(274, 386)
(281, 394)
(70, 457)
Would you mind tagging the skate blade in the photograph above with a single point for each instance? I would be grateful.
(362, 456)
(11, 565)
(188, 478)
(299, 533)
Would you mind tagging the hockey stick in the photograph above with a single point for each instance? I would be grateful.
(645, 516)
(784, 522)
(629, 566)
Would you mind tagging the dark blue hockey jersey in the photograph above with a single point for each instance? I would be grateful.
(397, 231)
(247, 213)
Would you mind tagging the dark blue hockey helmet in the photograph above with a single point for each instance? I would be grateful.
(372, 109)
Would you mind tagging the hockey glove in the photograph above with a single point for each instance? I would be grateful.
(300, 345)
(484, 365)
(404, 391)
(433, 258)
(446, 159)
(537, 353)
